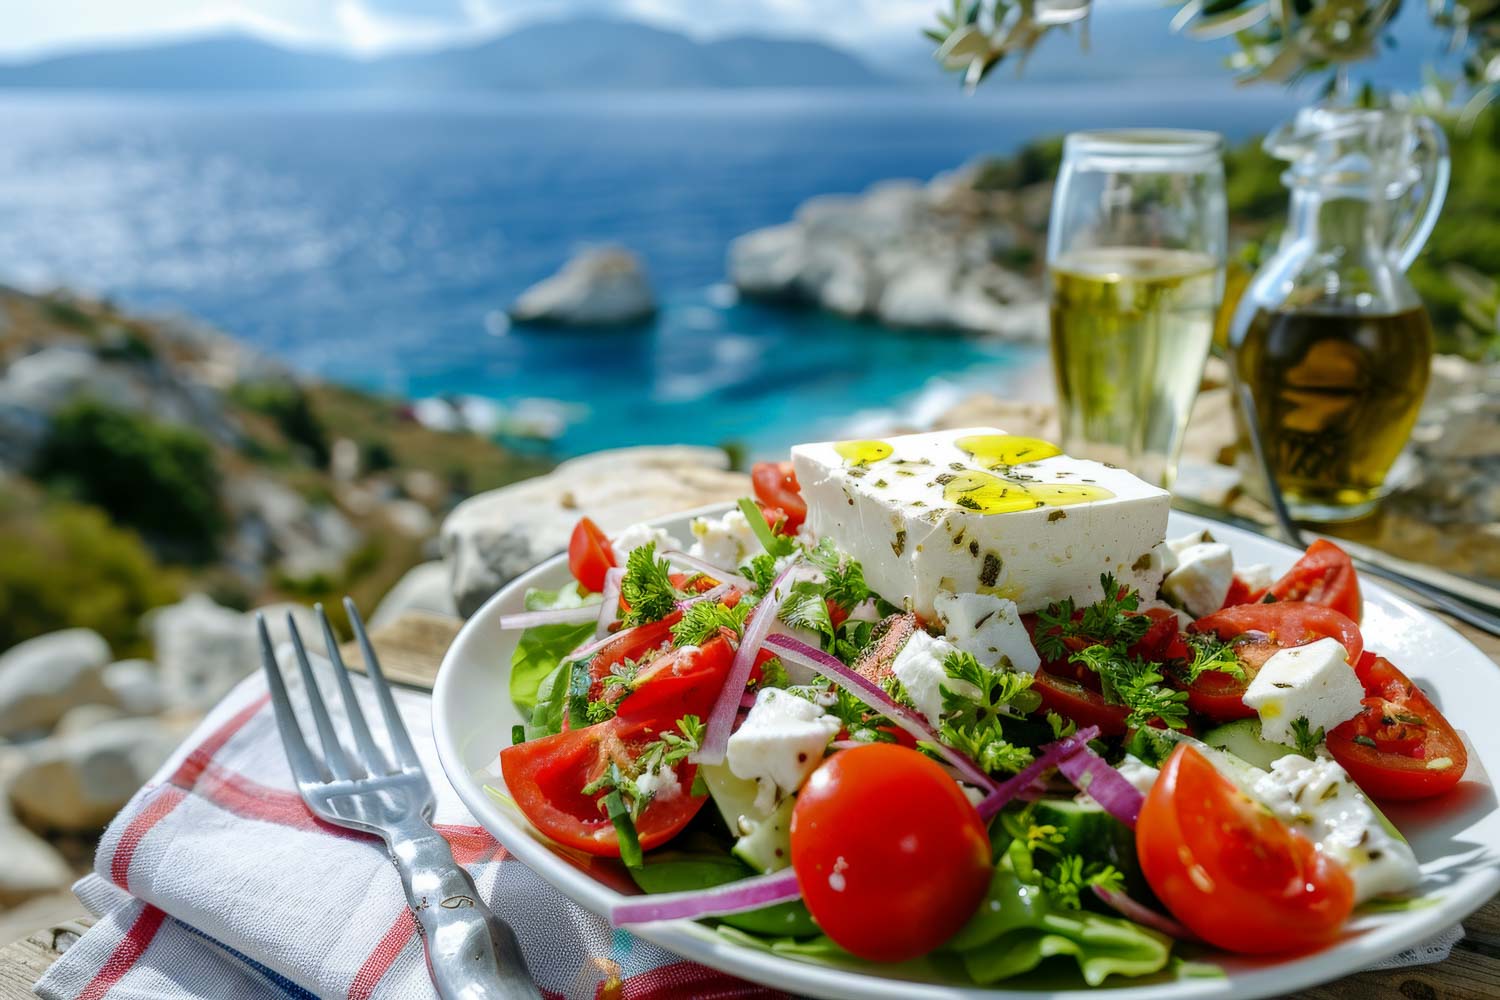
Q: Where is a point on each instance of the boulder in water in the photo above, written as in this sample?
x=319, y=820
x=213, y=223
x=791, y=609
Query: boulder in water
x=601, y=286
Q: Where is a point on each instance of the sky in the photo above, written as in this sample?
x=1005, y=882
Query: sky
x=35, y=27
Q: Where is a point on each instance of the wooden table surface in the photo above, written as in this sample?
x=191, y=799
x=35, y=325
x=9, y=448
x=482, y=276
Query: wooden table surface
x=411, y=648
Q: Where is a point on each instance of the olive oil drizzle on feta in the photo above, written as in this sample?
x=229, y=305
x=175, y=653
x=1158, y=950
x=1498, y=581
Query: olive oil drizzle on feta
x=987, y=493
x=861, y=453
x=991, y=451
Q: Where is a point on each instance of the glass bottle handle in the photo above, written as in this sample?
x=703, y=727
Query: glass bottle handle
x=1415, y=224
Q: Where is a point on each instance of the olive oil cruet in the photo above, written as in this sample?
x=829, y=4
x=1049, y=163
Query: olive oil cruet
x=1330, y=337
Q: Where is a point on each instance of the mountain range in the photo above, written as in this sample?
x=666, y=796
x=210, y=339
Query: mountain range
x=576, y=54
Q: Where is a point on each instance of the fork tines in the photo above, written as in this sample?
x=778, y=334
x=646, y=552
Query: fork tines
x=337, y=763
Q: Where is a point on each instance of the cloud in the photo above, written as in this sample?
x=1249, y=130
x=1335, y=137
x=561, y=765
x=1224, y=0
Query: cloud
x=376, y=25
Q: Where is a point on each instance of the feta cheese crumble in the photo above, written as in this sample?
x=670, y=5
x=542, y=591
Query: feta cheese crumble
x=1318, y=799
x=637, y=535
x=728, y=541
x=987, y=627
x=1200, y=581
x=919, y=668
x=1312, y=682
x=779, y=744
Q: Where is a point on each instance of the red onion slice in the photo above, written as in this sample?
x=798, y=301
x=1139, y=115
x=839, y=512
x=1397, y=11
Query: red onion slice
x=552, y=616
x=1020, y=784
x=721, y=719
x=1105, y=785
x=870, y=693
x=707, y=569
x=610, y=609
x=1142, y=914
x=734, y=897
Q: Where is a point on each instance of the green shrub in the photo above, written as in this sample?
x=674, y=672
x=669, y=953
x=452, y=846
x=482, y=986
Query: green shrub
x=284, y=402
x=158, y=479
x=67, y=566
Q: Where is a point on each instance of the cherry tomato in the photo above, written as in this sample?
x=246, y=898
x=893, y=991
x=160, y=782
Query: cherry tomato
x=1240, y=593
x=1258, y=631
x=1232, y=872
x=630, y=644
x=891, y=858
x=589, y=555
x=1083, y=705
x=776, y=486
x=1390, y=748
x=546, y=778
x=1324, y=575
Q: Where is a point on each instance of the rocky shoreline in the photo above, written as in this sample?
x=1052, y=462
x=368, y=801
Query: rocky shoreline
x=956, y=254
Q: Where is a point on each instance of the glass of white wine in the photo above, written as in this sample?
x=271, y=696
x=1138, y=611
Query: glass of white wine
x=1135, y=261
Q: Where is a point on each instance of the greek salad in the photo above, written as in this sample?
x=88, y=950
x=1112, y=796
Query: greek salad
x=955, y=698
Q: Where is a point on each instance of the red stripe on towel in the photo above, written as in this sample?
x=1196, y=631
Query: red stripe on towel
x=383, y=957
x=126, y=953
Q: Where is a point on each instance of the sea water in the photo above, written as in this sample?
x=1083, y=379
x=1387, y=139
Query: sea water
x=377, y=240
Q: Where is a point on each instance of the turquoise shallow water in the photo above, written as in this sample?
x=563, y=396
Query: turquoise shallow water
x=368, y=240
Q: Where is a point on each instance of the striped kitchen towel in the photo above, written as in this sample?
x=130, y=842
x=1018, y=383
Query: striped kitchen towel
x=216, y=882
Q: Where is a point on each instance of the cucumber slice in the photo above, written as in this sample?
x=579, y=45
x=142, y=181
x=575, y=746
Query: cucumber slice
x=683, y=871
x=1092, y=833
x=735, y=797
x=1243, y=739
x=768, y=847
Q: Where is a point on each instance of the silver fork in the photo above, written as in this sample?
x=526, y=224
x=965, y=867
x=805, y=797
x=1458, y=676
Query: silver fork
x=471, y=953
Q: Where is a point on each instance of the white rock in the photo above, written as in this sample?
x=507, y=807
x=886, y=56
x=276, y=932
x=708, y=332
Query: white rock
x=409, y=517
x=135, y=686
x=423, y=588
x=86, y=717
x=493, y=537
x=203, y=649
x=767, y=262
x=42, y=678
x=79, y=781
x=31, y=866
x=602, y=286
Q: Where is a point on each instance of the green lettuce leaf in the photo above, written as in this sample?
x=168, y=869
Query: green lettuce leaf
x=1016, y=927
x=541, y=649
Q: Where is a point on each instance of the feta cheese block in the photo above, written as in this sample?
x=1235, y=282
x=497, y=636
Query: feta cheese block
x=1313, y=682
x=1200, y=581
x=919, y=668
x=987, y=627
x=1318, y=799
x=779, y=744
x=980, y=511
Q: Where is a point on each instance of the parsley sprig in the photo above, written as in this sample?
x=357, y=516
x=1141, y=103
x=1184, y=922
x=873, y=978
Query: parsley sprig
x=1036, y=855
x=974, y=724
x=647, y=587
x=1112, y=625
x=1308, y=739
x=702, y=621
x=1111, y=619
x=1209, y=652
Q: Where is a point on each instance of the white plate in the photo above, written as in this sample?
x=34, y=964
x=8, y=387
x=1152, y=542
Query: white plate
x=1456, y=839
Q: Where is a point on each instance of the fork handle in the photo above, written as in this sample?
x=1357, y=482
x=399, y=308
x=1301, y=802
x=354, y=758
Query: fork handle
x=471, y=953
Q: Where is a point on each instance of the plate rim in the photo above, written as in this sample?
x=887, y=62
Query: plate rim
x=695, y=942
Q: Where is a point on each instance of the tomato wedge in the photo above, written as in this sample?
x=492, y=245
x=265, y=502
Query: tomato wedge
x=1258, y=631
x=590, y=555
x=684, y=681
x=546, y=778
x=1083, y=705
x=1400, y=746
x=1324, y=575
x=1233, y=873
x=776, y=487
